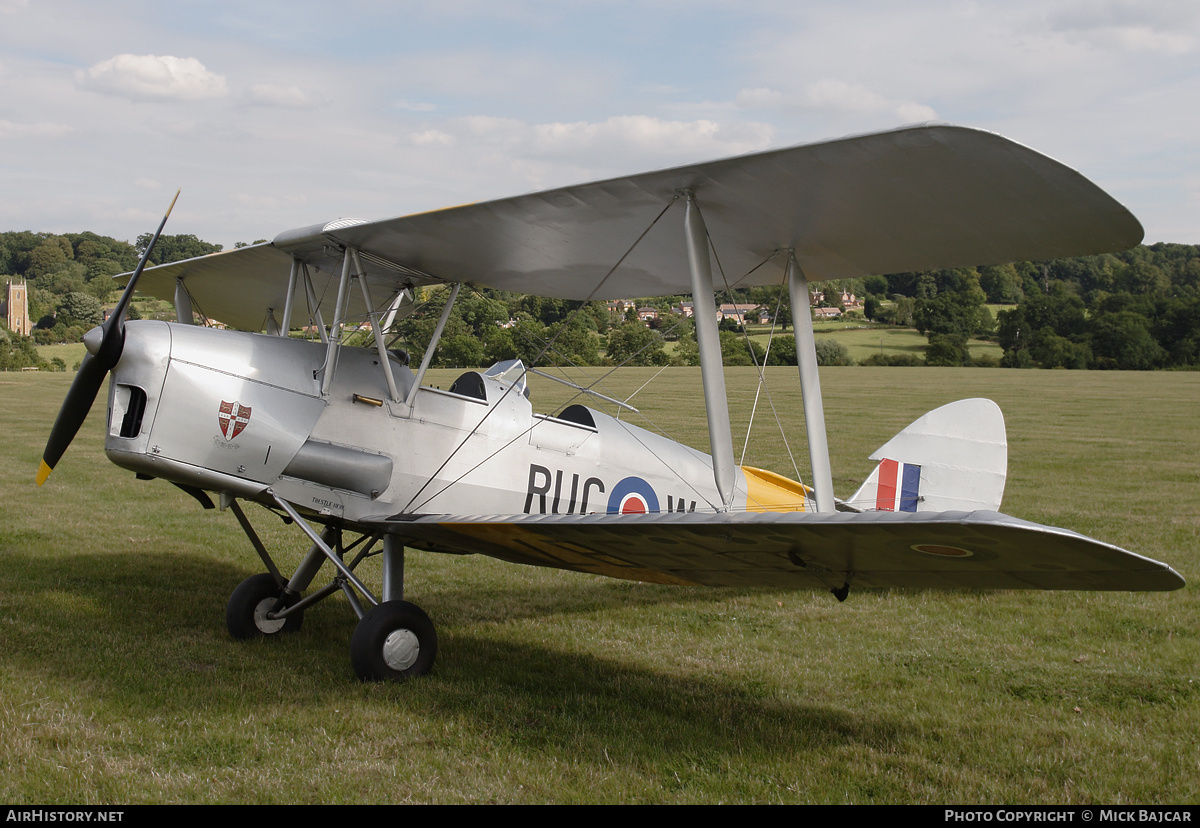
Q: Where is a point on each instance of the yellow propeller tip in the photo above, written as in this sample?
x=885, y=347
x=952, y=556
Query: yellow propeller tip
x=43, y=472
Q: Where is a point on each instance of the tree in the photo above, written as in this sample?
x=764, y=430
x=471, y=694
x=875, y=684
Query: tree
x=1123, y=340
x=736, y=349
x=81, y=309
x=871, y=307
x=48, y=256
x=877, y=285
x=902, y=311
x=783, y=351
x=459, y=350
x=831, y=352
x=1053, y=351
x=947, y=350
x=1001, y=284
x=632, y=343
x=16, y=351
x=576, y=341
x=175, y=248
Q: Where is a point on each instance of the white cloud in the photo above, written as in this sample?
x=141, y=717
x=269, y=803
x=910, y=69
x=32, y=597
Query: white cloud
x=259, y=202
x=484, y=156
x=758, y=98
x=620, y=135
x=567, y=95
x=11, y=129
x=284, y=97
x=836, y=96
x=427, y=137
x=1167, y=27
x=153, y=77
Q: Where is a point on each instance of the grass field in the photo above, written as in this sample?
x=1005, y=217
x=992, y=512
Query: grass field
x=863, y=339
x=119, y=683
x=885, y=339
x=71, y=353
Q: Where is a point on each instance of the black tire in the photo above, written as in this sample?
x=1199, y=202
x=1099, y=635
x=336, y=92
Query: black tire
x=393, y=642
x=246, y=613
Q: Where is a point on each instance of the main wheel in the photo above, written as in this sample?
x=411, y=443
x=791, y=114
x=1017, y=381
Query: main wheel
x=394, y=641
x=246, y=614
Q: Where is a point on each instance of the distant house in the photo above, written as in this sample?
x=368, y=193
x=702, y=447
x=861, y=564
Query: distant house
x=826, y=313
x=845, y=299
x=647, y=313
x=738, y=313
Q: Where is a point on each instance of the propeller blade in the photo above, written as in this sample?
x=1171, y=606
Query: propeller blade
x=117, y=320
x=93, y=369
x=75, y=407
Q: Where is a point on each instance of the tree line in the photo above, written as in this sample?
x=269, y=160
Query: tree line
x=1138, y=309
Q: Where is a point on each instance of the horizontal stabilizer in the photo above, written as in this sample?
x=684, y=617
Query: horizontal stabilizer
x=953, y=458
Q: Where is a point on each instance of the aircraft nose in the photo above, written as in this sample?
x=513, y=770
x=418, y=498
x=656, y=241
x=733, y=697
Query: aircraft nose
x=104, y=345
x=92, y=340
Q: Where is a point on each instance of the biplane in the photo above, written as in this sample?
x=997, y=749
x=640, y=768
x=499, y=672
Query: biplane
x=348, y=443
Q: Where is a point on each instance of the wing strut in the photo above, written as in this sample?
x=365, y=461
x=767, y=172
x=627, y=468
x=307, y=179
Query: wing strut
x=432, y=346
x=286, y=326
x=314, y=309
x=375, y=319
x=810, y=386
x=712, y=371
x=183, y=304
x=339, y=319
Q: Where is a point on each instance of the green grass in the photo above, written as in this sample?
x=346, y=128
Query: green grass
x=71, y=353
x=863, y=339
x=119, y=684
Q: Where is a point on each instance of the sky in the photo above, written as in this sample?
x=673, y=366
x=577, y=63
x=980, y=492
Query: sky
x=275, y=115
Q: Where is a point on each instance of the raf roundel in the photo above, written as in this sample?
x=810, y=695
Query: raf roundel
x=632, y=496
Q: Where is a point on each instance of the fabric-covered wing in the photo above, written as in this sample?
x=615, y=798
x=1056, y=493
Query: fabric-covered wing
x=916, y=198
x=238, y=288
x=947, y=550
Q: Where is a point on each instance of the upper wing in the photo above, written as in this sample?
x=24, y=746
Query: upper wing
x=917, y=198
x=948, y=550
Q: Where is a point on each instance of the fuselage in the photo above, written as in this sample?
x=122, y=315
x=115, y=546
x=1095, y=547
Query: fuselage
x=240, y=413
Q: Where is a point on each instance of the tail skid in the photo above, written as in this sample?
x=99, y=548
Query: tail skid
x=955, y=458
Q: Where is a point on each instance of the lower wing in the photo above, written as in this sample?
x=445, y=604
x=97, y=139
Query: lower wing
x=923, y=550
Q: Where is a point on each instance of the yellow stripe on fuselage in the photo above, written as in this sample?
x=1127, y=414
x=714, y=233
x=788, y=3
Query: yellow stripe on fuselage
x=771, y=492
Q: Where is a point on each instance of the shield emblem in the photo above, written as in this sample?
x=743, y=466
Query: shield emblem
x=233, y=417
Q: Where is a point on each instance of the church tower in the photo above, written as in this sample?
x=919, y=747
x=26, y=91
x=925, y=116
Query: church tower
x=15, y=308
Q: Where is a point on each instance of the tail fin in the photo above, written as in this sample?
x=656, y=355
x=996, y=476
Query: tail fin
x=955, y=458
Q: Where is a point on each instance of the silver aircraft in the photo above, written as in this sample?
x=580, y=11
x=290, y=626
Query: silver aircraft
x=349, y=444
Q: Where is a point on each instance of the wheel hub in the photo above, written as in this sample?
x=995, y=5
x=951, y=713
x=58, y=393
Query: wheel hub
x=401, y=649
x=268, y=626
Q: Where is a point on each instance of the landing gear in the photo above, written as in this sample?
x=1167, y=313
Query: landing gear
x=253, y=602
x=394, y=641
